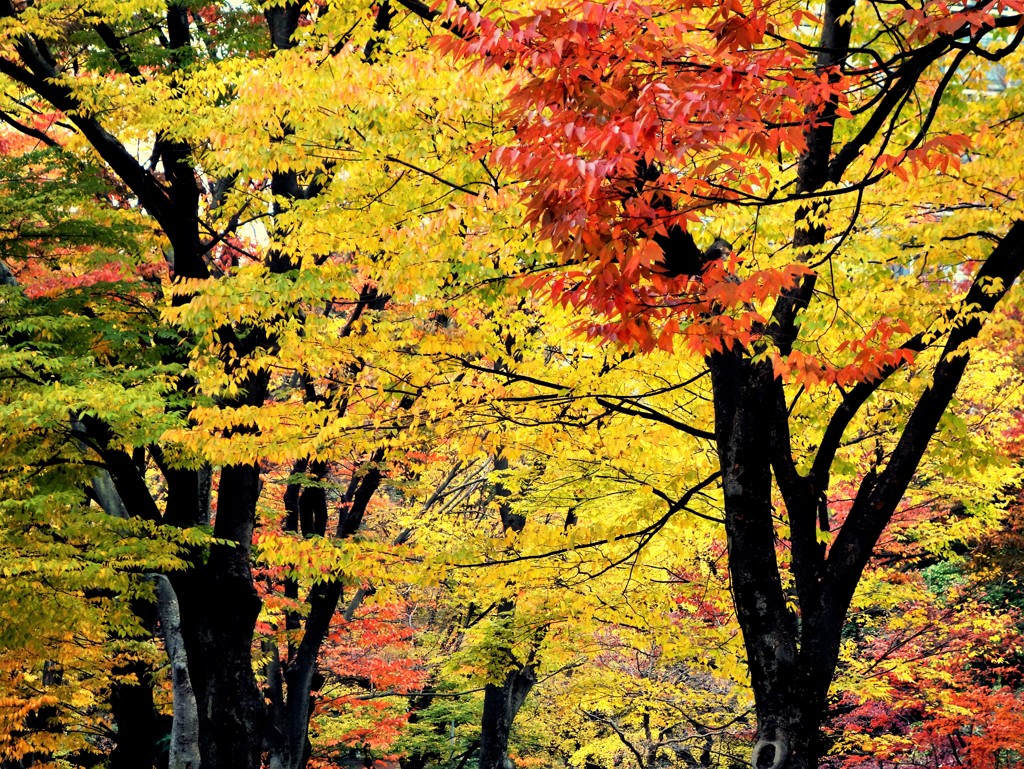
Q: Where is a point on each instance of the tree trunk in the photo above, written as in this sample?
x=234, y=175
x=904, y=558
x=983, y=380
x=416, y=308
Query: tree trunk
x=288, y=739
x=183, y=751
x=218, y=618
x=503, y=701
x=501, y=704
x=219, y=607
x=134, y=712
x=131, y=704
x=742, y=399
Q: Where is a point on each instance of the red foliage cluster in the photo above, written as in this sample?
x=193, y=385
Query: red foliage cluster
x=637, y=118
x=375, y=653
x=966, y=710
x=55, y=283
x=377, y=646
x=633, y=119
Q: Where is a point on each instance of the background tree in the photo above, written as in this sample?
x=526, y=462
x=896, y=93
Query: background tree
x=287, y=222
x=641, y=123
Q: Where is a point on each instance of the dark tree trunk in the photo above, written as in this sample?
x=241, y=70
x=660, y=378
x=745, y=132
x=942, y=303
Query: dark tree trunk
x=293, y=681
x=501, y=704
x=138, y=727
x=219, y=606
x=218, y=601
x=792, y=653
x=289, y=741
x=503, y=701
x=742, y=397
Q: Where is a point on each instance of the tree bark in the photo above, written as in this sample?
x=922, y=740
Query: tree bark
x=502, y=701
x=134, y=712
x=501, y=705
x=183, y=752
x=219, y=607
x=742, y=396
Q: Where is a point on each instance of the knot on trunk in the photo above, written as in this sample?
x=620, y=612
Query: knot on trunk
x=770, y=754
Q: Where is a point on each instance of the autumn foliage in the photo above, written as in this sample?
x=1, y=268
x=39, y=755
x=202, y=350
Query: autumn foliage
x=571, y=384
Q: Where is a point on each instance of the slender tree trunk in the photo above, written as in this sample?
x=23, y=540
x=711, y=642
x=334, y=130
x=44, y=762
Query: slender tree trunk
x=183, y=751
x=301, y=672
x=131, y=704
x=503, y=701
x=751, y=423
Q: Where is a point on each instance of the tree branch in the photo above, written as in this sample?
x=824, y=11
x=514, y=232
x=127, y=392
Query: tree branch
x=875, y=503
x=28, y=130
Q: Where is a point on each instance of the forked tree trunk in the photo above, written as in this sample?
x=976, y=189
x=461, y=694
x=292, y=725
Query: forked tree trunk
x=792, y=652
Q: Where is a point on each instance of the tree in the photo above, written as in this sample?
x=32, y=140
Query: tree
x=291, y=186
x=304, y=344
x=76, y=651
x=873, y=240
x=936, y=680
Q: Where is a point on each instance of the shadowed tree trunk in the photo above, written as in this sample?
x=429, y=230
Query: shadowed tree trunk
x=503, y=700
x=183, y=750
x=501, y=705
x=134, y=712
